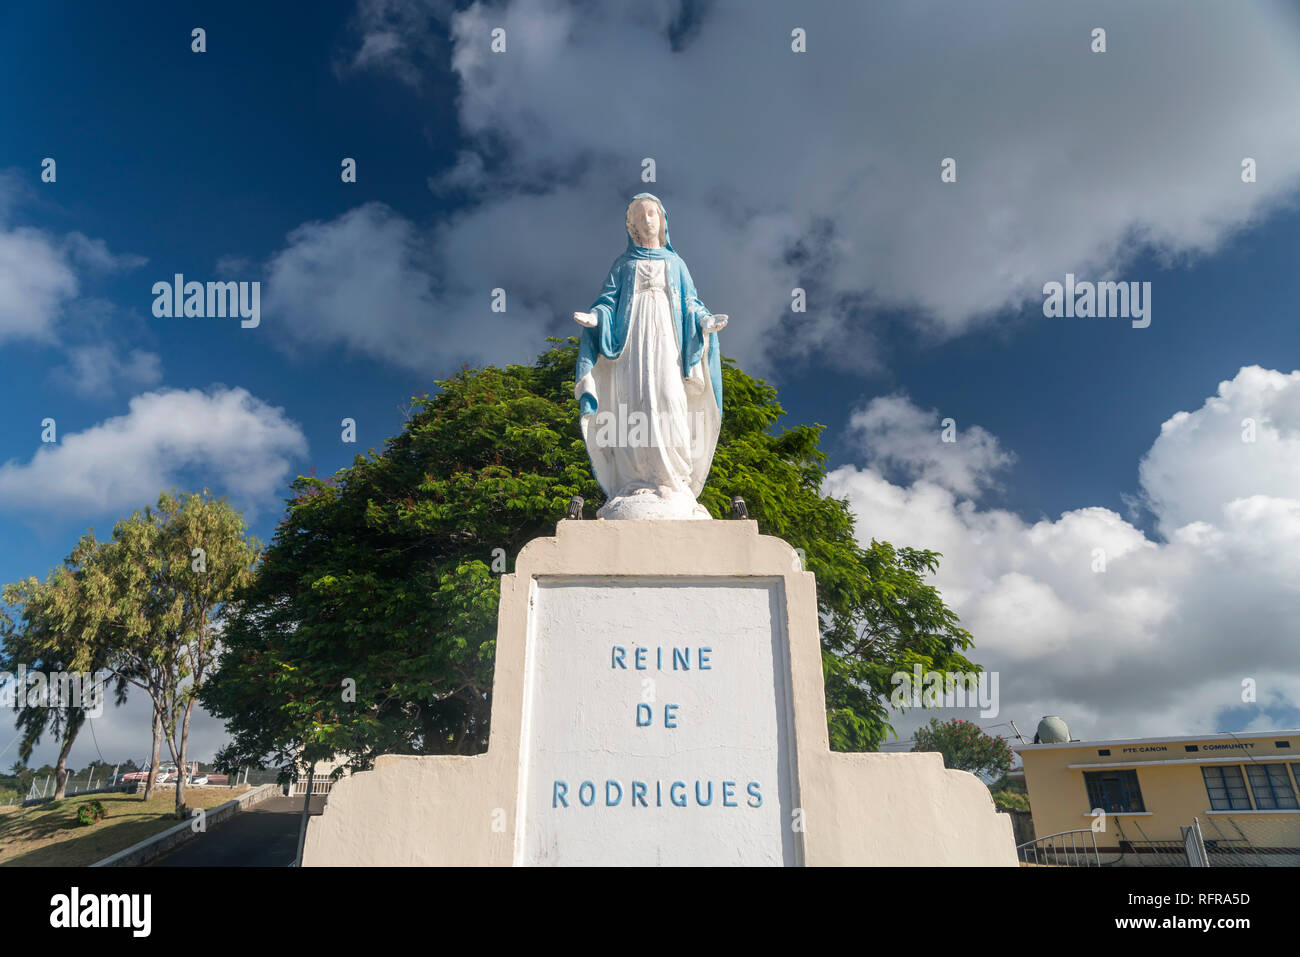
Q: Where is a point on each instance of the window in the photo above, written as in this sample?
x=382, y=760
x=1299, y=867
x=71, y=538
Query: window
x=1113, y=791
x=1272, y=787
x=1227, y=788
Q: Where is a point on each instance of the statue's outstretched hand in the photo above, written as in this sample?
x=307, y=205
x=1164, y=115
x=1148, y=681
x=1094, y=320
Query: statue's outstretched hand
x=587, y=319
x=714, y=322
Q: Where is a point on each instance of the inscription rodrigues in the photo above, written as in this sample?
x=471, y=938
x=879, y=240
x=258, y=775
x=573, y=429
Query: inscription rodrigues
x=642, y=793
x=678, y=793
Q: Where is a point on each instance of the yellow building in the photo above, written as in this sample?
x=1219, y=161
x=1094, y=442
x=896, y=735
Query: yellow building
x=1240, y=788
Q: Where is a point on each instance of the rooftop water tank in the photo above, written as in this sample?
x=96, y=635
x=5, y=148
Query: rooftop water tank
x=1052, y=730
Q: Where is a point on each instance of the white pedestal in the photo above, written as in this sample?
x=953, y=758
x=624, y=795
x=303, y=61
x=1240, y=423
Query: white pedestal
x=658, y=699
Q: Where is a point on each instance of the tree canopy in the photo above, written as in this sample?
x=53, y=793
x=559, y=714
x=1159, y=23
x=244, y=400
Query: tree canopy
x=370, y=624
x=964, y=746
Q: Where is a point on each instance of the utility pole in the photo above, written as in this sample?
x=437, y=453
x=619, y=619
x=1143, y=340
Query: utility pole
x=306, y=811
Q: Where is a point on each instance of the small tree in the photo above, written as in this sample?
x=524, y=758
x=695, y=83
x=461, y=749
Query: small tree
x=34, y=632
x=964, y=746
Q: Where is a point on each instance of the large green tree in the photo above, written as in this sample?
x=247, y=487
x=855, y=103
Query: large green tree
x=150, y=605
x=384, y=578
x=164, y=587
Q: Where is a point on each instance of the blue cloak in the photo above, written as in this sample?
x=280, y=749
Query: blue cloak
x=612, y=307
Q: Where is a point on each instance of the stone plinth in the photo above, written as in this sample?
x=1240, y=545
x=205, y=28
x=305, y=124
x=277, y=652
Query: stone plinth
x=659, y=699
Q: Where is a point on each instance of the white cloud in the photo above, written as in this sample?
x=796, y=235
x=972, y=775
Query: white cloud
x=821, y=169
x=398, y=37
x=94, y=254
x=894, y=433
x=1161, y=640
x=379, y=284
x=35, y=282
x=234, y=442
x=95, y=371
x=39, y=278
x=1207, y=459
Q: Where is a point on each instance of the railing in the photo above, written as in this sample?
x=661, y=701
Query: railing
x=1063, y=849
x=320, y=784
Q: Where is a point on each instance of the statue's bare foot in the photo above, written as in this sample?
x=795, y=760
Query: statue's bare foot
x=645, y=490
x=664, y=492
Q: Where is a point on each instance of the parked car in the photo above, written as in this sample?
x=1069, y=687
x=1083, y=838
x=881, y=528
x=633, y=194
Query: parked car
x=141, y=775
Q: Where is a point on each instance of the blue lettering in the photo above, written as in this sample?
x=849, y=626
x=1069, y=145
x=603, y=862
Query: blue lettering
x=659, y=656
x=640, y=659
x=659, y=794
x=643, y=711
x=558, y=797
x=684, y=656
x=587, y=788
x=613, y=802
x=699, y=800
x=704, y=659
x=755, y=798
x=728, y=792
x=670, y=715
x=638, y=793
x=616, y=658
x=672, y=793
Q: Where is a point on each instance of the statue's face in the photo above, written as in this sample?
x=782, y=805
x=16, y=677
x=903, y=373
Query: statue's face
x=645, y=221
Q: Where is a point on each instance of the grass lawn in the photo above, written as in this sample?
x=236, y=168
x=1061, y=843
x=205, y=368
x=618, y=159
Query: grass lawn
x=48, y=835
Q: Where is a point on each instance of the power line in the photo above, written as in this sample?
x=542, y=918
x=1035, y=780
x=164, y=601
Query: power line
x=95, y=738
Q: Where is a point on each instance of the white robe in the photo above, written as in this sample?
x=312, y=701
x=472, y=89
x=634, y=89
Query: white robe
x=670, y=444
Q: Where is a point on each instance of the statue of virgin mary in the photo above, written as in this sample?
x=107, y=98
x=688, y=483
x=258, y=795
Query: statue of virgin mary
x=649, y=378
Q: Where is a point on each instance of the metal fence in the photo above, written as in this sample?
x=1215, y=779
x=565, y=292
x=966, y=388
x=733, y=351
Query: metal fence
x=320, y=784
x=1217, y=843
x=100, y=781
x=1063, y=849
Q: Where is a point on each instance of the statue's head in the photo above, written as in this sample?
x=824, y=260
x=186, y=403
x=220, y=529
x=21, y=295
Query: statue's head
x=647, y=223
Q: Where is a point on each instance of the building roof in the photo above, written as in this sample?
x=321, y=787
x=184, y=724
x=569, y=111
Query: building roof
x=1228, y=735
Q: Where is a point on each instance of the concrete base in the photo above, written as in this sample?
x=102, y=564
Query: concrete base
x=648, y=505
x=491, y=809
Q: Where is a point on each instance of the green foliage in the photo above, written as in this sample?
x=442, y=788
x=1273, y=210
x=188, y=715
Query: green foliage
x=90, y=812
x=1008, y=782
x=385, y=575
x=1011, y=792
x=147, y=607
x=964, y=746
x=35, y=633
x=1011, y=800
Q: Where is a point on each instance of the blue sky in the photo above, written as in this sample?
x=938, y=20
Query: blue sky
x=777, y=169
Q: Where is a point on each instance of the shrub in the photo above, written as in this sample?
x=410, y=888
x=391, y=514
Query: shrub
x=90, y=812
x=1011, y=800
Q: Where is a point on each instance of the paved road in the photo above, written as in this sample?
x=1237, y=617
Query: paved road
x=266, y=835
